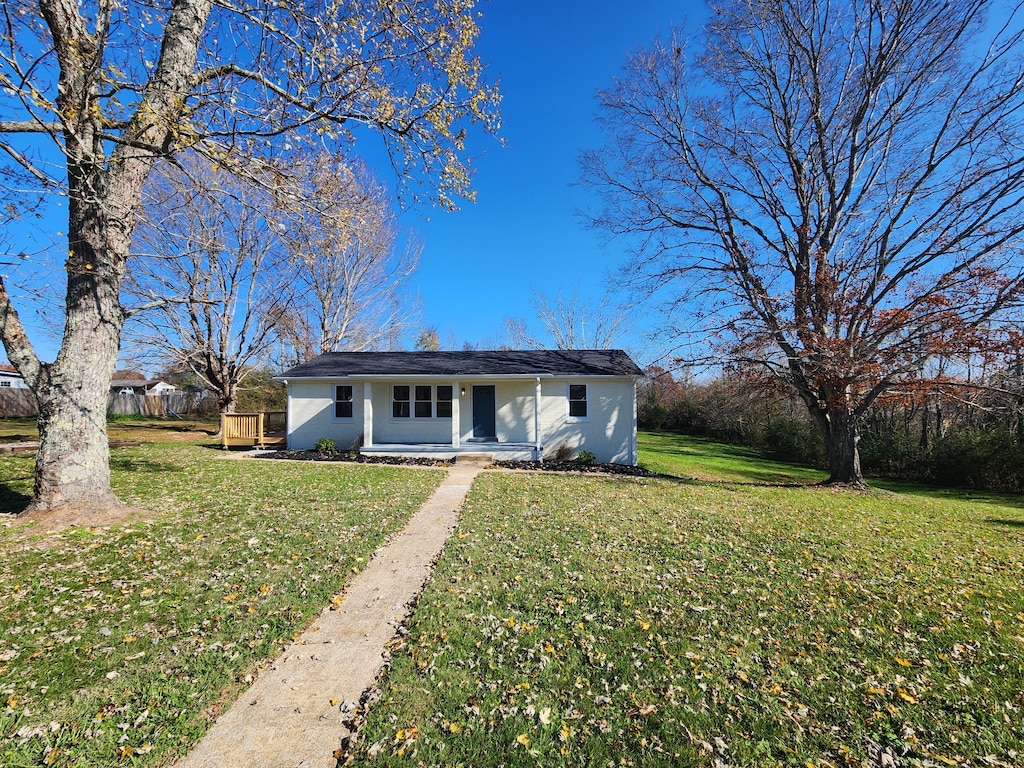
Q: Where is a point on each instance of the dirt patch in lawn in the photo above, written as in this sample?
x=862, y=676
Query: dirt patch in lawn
x=47, y=522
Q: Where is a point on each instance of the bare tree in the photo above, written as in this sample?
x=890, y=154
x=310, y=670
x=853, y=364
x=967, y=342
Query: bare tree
x=95, y=93
x=350, y=270
x=570, y=322
x=829, y=189
x=211, y=277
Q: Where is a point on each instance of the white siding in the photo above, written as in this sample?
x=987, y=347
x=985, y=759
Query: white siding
x=14, y=380
x=608, y=431
x=387, y=429
x=311, y=415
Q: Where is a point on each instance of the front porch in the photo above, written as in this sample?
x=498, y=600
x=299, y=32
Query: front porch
x=445, y=451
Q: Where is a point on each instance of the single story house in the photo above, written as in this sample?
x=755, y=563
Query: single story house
x=140, y=387
x=517, y=405
x=10, y=378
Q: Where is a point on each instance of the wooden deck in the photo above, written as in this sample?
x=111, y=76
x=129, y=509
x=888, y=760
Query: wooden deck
x=253, y=430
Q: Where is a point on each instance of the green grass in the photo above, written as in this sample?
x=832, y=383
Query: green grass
x=141, y=428
x=118, y=646
x=699, y=458
x=728, y=617
x=595, y=621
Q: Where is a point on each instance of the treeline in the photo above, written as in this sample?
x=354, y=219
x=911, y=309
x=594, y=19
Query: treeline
x=953, y=435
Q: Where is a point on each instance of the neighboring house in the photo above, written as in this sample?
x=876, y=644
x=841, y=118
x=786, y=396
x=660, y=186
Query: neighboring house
x=10, y=378
x=520, y=405
x=140, y=387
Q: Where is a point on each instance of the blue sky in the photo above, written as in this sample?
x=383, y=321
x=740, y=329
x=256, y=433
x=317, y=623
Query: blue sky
x=480, y=264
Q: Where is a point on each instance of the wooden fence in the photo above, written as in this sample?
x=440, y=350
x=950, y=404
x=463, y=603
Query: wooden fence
x=20, y=403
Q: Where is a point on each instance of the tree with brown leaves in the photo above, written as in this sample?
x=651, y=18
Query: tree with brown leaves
x=830, y=190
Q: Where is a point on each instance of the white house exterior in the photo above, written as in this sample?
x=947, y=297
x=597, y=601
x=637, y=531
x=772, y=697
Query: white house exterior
x=140, y=387
x=520, y=405
x=11, y=379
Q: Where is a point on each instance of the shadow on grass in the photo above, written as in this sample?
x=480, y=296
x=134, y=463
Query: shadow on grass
x=1007, y=522
x=717, y=463
x=127, y=464
x=11, y=501
x=971, y=496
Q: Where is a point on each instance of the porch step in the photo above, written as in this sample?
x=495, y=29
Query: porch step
x=475, y=459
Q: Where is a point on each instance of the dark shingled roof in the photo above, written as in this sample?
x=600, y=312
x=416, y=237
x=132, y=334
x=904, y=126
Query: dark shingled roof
x=545, y=362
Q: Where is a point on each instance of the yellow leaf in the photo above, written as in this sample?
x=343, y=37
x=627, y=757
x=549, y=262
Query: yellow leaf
x=455, y=728
x=903, y=662
x=876, y=691
x=906, y=696
x=523, y=739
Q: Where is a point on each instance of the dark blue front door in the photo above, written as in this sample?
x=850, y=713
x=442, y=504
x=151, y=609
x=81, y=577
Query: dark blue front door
x=483, y=412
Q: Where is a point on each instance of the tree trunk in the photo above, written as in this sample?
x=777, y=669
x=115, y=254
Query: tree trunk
x=73, y=466
x=841, y=433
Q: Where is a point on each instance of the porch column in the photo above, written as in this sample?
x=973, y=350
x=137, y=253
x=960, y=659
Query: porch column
x=367, y=414
x=537, y=447
x=456, y=420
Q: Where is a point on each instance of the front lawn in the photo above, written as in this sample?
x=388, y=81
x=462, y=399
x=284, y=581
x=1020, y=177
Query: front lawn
x=118, y=646
x=594, y=621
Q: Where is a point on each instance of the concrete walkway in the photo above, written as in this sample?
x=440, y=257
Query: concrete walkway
x=293, y=715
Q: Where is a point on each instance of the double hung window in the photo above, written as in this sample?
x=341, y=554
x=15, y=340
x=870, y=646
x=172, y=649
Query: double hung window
x=421, y=401
x=577, y=401
x=343, y=401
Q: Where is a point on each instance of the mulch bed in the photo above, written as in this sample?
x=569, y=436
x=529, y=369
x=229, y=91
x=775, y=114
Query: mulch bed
x=357, y=458
x=547, y=466
x=577, y=466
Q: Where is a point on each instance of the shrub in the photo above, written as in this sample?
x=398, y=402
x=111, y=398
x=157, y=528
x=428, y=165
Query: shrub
x=585, y=457
x=563, y=452
x=890, y=453
x=792, y=440
x=991, y=461
x=326, y=445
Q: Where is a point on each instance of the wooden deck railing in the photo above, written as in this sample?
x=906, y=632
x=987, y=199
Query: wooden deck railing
x=253, y=429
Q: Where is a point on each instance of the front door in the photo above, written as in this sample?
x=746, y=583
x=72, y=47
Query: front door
x=483, y=413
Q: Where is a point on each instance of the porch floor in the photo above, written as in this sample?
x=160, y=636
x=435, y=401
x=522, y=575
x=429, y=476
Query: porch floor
x=446, y=451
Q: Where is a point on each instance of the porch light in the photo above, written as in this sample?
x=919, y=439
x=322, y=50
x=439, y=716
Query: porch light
x=462, y=392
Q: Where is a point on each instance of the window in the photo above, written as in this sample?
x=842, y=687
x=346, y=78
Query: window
x=424, y=402
x=419, y=401
x=343, y=401
x=444, y=402
x=400, y=401
x=578, y=401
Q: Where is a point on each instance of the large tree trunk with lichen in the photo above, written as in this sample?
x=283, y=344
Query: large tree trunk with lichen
x=73, y=463
x=72, y=466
